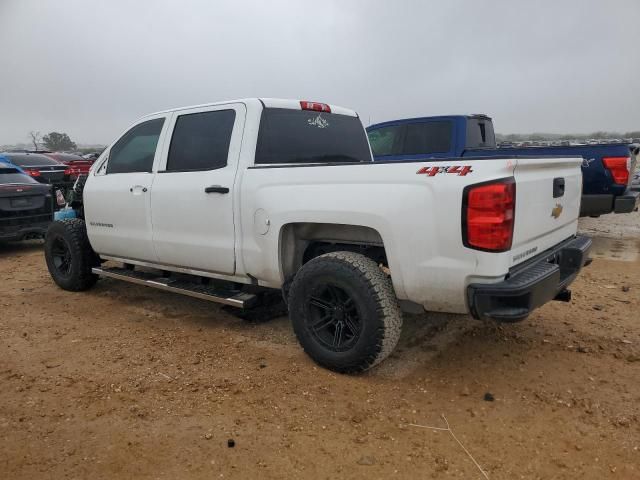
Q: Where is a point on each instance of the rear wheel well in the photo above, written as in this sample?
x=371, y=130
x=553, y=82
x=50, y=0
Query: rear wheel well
x=302, y=242
x=317, y=248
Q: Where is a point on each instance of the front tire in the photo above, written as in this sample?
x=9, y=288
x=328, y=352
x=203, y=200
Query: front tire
x=69, y=255
x=344, y=312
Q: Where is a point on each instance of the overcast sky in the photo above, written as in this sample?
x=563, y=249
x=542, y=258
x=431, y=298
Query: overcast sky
x=89, y=68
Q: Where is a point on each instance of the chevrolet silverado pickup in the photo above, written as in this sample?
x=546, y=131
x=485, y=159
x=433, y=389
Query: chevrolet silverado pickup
x=606, y=169
x=227, y=201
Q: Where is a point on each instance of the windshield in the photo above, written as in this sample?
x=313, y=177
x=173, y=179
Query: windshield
x=304, y=136
x=13, y=175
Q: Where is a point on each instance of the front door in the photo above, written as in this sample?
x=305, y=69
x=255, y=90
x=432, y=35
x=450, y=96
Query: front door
x=192, y=200
x=117, y=194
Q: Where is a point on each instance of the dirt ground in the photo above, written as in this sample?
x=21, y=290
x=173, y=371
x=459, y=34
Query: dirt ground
x=128, y=382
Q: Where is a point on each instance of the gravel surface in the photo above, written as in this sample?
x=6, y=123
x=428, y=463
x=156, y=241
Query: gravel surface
x=128, y=382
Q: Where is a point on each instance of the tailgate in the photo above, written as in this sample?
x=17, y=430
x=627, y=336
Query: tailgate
x=548, y=193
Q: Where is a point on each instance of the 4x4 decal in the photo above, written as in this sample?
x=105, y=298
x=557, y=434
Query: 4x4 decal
x=460, y=170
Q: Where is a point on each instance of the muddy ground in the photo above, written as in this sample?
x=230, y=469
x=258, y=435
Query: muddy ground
x=127, y=382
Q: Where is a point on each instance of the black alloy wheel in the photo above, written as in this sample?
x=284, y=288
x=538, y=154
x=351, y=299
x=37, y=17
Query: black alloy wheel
x=61, y=256
x=333, y=318
x=344, y=311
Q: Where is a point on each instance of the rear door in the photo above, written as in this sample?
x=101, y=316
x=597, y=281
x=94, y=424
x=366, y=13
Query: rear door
x=117, y=194
x=548, y=192
x=192, y=201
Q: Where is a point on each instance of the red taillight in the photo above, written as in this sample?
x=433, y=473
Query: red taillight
x=618, y=167
x=489, y=215
x=33, y=173
x=318, y=107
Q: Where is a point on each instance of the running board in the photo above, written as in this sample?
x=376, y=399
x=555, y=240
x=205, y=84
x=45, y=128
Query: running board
x=192, y=289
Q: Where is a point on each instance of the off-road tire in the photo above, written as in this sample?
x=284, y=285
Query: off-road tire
x=368, y=288
x=72, y=234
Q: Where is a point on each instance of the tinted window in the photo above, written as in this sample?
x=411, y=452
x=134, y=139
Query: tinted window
x=386, y=140
x=480, y=133
x=427, y=137
x=13, y=175
x=30, y=159
x=201, y=141
x=303, y=136
x=65, y=157
x=134, y=152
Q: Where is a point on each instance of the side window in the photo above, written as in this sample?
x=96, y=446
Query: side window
x=386, y=140
x=480, y=133
x=201, y=141
x=134, y=152
x=428, y=137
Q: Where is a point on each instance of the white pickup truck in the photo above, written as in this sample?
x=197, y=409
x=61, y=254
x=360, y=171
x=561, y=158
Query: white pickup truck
x=226, y=200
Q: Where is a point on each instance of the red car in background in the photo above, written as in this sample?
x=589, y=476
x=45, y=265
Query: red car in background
x=76, y=165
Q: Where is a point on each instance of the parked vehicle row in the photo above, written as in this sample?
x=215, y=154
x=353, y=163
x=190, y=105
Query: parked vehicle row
x=227, y=201
x=76, y=165
x=26, y=206
x=606, y=169
x=60, y=170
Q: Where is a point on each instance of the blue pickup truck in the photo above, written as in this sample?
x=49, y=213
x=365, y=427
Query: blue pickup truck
x=607, y=169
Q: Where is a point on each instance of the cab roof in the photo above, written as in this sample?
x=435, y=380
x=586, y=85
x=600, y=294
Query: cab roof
x=267, y=103
x=402, y=121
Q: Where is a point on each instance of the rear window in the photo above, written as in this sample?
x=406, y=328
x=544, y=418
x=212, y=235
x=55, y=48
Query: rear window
x=304, y=136
x=66, y=157
x=13, y=175
x=428, y=137
x=418, y=138
x=31, y=160
x=480, y=133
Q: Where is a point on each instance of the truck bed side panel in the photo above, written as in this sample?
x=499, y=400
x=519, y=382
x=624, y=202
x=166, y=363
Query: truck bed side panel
x=418, y=217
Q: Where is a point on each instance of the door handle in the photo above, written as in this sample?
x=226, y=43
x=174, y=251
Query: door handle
x=558, y=187
x=138, y=188
x=216, y=189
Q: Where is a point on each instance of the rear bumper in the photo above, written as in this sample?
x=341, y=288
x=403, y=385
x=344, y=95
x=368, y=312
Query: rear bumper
x=532, y=284
x=627, y=202
x=594, y=205
x=24, y=232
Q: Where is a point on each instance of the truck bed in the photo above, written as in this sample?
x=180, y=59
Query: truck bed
x=599, y=191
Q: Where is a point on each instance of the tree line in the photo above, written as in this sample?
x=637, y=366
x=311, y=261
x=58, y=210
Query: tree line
x=54, y=141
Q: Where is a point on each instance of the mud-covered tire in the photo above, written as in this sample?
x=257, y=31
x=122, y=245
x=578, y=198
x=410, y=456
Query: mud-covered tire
x=69, y=255
x=362, y=300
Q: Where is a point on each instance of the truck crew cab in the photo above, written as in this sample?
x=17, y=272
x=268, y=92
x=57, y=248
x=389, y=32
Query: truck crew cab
x=226, y=200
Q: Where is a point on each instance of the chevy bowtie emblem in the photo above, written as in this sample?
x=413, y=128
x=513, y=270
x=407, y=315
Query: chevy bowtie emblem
x=557, y=210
